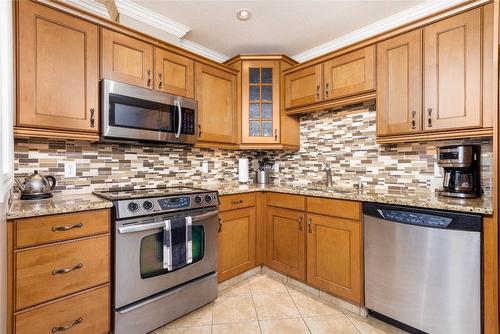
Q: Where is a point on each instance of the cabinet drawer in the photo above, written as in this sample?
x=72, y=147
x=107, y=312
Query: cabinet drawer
x=40, y=272
x=286, y=201
x=232, y=202
x=334, y=207
x=35, y=231
x=91, y=307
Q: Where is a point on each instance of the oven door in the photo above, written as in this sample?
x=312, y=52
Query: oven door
x=139, y=269
x=138, y=114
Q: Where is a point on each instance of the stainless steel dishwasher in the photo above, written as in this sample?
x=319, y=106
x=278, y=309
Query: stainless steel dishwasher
x=423, y=267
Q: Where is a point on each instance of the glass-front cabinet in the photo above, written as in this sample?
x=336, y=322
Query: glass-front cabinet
x=260, y=102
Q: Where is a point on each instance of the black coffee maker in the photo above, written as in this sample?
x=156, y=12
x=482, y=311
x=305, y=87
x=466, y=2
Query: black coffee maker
x=461, y=171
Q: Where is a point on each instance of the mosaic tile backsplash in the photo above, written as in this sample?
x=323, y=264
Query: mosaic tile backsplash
x=343, y=139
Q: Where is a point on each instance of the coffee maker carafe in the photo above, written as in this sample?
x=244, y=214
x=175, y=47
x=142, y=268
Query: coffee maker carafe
x=461, y=171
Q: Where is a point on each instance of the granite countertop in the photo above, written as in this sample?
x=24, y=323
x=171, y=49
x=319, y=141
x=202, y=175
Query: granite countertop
x=66, y=203
x=59, y=203
x=428, y=200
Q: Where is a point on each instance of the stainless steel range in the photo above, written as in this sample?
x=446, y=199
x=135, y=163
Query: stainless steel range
x=147, y=296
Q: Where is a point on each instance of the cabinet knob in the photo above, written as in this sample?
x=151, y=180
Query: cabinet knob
x=92, y=117
x=413, y=122
x=429, y=117
x=317, y=92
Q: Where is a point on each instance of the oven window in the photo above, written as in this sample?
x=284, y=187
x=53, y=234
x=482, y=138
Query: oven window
x=128, y=112
x=151, y=255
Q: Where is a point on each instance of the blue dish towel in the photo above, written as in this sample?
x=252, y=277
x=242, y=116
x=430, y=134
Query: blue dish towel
x=177, y=243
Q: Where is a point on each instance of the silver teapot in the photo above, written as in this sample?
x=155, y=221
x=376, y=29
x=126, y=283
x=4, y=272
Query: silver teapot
x=36, y=186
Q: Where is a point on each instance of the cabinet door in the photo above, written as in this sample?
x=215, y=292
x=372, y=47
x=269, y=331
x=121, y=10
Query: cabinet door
x=452, y=73
x=350, y=74
x=216, y=95
x=399, y=84
x=236, y=242
x=303, y=87
x=334, y=256
x=174, y=73
x=285, y=238
x=126, y=59
x=58, y=74
x=260, y=102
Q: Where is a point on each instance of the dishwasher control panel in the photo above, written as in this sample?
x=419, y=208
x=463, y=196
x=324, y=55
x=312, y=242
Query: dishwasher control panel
x=415, y=218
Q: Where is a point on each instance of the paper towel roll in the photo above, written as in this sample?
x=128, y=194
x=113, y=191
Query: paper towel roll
x=243, y=170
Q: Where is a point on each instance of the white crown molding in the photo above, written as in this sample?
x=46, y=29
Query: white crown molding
x=147, y=16
x=386, y=24
x=91, y=6
x=203, y=51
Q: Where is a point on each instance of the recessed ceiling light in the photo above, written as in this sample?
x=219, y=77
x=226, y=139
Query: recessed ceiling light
x=243, y=14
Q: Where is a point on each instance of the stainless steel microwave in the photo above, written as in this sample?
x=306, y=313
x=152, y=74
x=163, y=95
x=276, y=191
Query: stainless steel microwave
x=135, y=114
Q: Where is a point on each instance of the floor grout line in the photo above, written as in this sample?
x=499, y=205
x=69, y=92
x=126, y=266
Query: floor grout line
x=254, y=307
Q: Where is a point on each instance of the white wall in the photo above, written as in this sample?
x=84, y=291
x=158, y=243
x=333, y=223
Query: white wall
x=6, y=142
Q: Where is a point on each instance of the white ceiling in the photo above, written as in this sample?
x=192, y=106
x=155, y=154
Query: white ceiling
x=276, y=26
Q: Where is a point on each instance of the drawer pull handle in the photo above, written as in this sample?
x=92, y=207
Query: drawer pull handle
x=66, y=228
x=429, y=118
x=309, y=222
x=300, y=223
x=413, y=122
x=326, y=89
x=220, y=225
x=67, y=270
x=68, y=326
x=237, y=202
x=317, y=92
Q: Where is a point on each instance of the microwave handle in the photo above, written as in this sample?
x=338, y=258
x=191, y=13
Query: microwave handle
x=152, y=226
x=179, y=115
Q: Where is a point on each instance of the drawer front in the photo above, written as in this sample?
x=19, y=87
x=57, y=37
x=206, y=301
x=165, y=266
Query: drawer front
x=334, y=207
x=238, y=201
x=92, y=307
x=35, y=231
x=294, y=202
x=41, y=272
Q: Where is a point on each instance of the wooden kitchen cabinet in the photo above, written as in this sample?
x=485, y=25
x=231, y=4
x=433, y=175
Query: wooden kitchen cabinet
x=334, y=256
x=399, y=84
x=57, y=73
x=285, y=239
x=217, y=110
x=174, y=73
x=304, y=86
x=452, y=73
x=126, y=59
x=349, y=74
x=236, y=242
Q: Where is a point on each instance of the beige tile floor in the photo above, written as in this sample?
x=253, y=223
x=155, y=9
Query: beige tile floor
x=262, y=304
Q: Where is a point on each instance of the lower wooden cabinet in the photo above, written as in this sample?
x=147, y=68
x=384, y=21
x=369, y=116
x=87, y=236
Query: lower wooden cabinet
x=334, y=261
x=236, y=242
x=285, y=238
x=83, y=313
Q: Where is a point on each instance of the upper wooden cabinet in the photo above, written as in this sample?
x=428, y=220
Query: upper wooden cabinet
x=452, y=73
x=126, y=59
x=58, y=73
x=352, y=73
x=174, y=73
x=446, y=65
x=216, y=95
x=303, y=87
x=323, y=85
x=399, y=84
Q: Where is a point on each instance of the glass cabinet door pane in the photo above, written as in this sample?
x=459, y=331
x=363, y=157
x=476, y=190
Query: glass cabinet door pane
x=254, y=111
x=267, y=111
x=254, y=75
x=267, y=129
x=254, y=128
x=267, y=75
x=267, y=93
x=254, y=93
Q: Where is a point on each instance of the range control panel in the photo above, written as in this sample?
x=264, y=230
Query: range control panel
x=413, y=218
x=135, y=207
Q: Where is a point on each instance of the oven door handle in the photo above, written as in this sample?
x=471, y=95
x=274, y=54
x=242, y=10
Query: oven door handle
x=152, y=226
